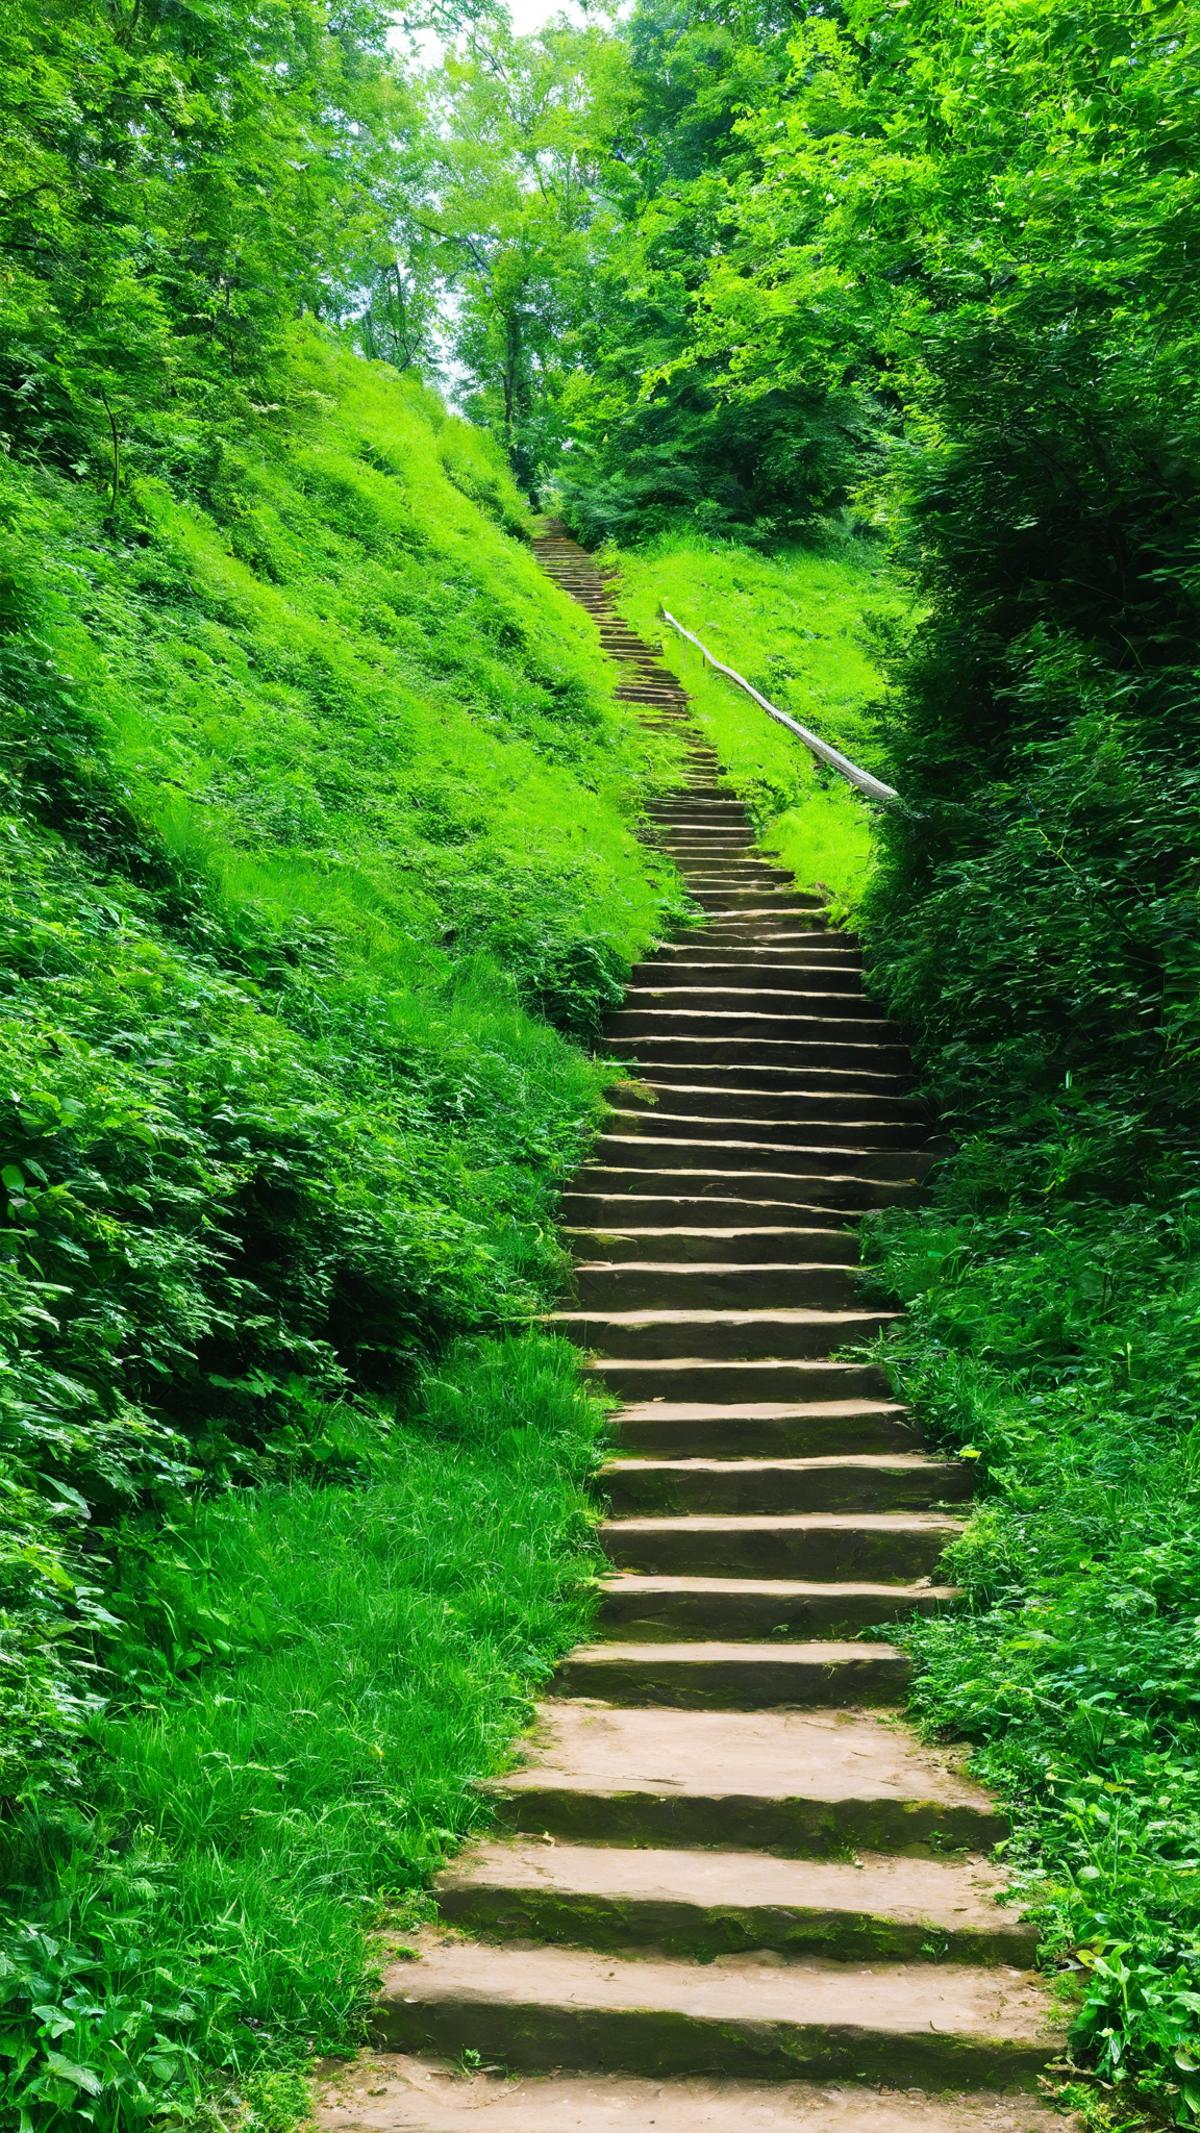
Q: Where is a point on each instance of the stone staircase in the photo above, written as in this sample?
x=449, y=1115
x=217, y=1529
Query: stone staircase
x=731, y=1892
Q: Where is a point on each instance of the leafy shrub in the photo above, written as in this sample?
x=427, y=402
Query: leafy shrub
x=1054, y=1338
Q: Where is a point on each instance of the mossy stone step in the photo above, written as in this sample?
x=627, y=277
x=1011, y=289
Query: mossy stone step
x=762, y=1429
x=732, y=1335
x=715, y=1147
x=671, y=1608
x=716, y=1675
x=669, y=1184
x=673, y=1118
x=841, y=1481
x=717, y=1382
x=932, y=2025
x=890, y=1545
x=707, y=1904
x=397, y=2093
x=781, y=1244
x=798, y=1784
x=691, y=1284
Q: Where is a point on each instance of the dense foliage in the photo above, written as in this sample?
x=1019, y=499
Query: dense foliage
x=176, y=183
x=578, y=194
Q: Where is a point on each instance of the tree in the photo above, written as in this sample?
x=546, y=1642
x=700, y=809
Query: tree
x=176, y=183
x=526, y=190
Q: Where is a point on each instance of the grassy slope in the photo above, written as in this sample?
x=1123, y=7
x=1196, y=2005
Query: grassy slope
x=802, y=627
x=315, y=1676
x=319, y=852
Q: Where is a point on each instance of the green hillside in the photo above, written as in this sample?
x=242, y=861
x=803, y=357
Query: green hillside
x=318, y=866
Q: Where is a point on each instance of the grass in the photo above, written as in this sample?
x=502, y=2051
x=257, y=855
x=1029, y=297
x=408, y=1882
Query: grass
x=316, y=1677
x=807, y=628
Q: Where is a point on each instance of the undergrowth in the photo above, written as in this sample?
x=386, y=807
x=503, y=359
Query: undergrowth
x=1058, y=1346
x=1052, y=1293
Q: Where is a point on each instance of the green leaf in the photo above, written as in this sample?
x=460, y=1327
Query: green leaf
x=82, y=2077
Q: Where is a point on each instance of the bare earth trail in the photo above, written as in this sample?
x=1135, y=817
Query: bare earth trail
x=731, y=1892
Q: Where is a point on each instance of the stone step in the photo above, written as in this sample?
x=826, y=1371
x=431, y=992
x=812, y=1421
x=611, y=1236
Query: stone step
x=754, y=1078
x=674, y=1608
x=690, y=805
x=815, y=947
x=931, y=2025
x=813, y=1784
x=713, y=787
x=714, y=1382
x=716, y=1152
x=739, y=1676
x=703, y=823
x=674, y=1118
x=730, y=1335
x=748, y=930
x=833, y=1244
x=693, y=1097
x=694, y=843
x=713, y=871
x=752, y=902
x=601, y=1187
x=703, y=1905
x=398, y=2093
x=876, y=1547
x=719, y=1285
x=832, y=970
x=768, y=913
x=823, y=1026
x=844, y=1481
x=710, y=1047
x=733, y=1210
x=766, y=1429
x=695, y=824
x=792, y=1002
x=730, y=1067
